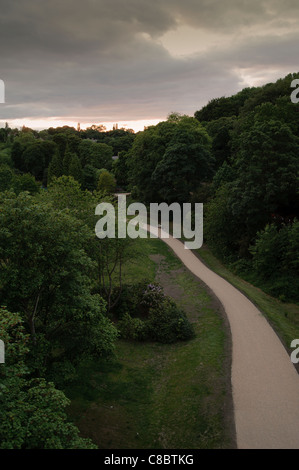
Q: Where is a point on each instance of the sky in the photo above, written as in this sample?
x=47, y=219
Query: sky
x=133, y=62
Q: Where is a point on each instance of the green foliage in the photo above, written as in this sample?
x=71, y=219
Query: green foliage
x=32, y=155
x=220, y=230
x=152, y=296
x=18, y=148
x=120, y=170
x=246, y=100
x=55, y=169
x=167, y=323
x=66, y=162
x=32, y=411
x=220, y=130
x=225, y=107
x=98, y=155
x=153, y=316
x=17, y=182
x=225, y=174
x=108, y=254
x=75, y=168
x=5, y=155
x=101, y=156
x=186, y=162
x=120, y=140
x=6, y=177
x=106, y=182
x=276, y=260
x=89, y=178
x=132, y=328
x=52, y=288
x=25, y=182
x=130, y=299
x=65, y=193
x=169, y=160
x=267, y=171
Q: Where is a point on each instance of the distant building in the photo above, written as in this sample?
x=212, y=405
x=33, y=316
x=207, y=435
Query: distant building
x=115, y=157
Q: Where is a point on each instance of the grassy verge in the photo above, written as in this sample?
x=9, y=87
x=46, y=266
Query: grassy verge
x=284, y=317
x=161, y=396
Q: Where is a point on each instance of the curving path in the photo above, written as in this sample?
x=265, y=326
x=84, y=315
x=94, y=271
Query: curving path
x=265, y=384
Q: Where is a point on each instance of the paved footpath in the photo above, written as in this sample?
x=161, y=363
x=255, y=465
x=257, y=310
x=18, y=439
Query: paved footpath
x=265, y=384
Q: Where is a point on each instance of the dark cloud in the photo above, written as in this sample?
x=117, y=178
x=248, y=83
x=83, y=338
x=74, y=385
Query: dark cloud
x=107, y=59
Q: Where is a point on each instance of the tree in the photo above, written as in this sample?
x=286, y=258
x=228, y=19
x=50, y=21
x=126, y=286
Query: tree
x=120, y=170
x=6, y=177
x=46, y=274
x=267, y=169
x=276, y=259
x=148, y=149
x=34, y=160
x=32, y=411
x=111, y=255
x=61, y=140
x=221, y=230
x=84, y=151
x=108, y=254
x=89, y=178
x=75, y=168
x=98, y=155
x=66, y=162
x=106, y=182
x=220, y=131
x=186, y=162
x=170, y=160
x=55, y=168
x=101, y=156
x=25, y=182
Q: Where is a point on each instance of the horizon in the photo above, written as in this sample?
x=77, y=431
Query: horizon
x=39, y=124
x=107, y=62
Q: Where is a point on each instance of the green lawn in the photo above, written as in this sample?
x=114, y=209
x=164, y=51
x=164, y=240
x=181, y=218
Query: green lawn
x=161, y=396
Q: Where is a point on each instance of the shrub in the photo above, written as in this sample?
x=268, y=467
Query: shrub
x=153, y=315
x=132, y=328
x=153, y=295
x=167, y=323
x=130, y=299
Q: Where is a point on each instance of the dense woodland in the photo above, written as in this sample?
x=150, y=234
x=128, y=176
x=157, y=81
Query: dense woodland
x=62, y=292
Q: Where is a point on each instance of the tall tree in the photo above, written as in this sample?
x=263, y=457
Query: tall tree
x=55, y=169
x=32, y=411
x=46, y=275
x=170, y=160
x=75, y=168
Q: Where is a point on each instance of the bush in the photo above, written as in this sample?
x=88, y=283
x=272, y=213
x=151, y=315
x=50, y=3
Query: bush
x=167, y=323
x=153, y=315
x=153, y=295
x=130, y=299
x=132, y=328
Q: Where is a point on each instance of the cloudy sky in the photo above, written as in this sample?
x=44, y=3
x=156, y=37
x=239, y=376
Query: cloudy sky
x=99, y=61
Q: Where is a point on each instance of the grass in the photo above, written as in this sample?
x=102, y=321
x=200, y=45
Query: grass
x=284, y=317
x=152, y=395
